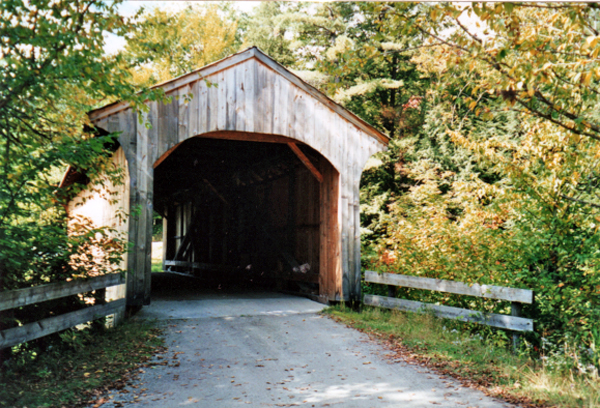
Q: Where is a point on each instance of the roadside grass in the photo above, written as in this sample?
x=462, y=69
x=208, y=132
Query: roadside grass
x=487, y=364
x=157, y=255
x=81, y=368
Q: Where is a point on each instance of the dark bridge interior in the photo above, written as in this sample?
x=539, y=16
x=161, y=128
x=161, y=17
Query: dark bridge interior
x=241, y=213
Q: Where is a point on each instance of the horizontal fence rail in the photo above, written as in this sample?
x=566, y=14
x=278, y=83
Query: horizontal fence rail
x=459, y=288
x=42, y=293
x=515, y=296
x=28, y=296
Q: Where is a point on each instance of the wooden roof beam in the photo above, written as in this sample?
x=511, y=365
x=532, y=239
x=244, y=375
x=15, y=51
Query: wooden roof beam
x=306, y=161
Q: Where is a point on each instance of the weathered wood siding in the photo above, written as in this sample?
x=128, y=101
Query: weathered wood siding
x=247, y=93
x=107, y=205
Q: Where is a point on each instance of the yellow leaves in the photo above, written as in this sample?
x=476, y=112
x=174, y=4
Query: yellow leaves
x=182, y=41
x=471, y=65
x=547, y=65
x=590, y=42
x=587, y=78
x=553, y=18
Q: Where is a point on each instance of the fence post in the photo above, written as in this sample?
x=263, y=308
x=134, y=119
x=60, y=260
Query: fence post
x=515, y=310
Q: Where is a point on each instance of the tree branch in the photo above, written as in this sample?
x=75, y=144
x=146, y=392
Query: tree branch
x=580, y=201
x=556, y=122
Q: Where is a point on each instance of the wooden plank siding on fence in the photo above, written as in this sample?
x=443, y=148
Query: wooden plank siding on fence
x=459, y=288
x=38, y=294
x=514, y=323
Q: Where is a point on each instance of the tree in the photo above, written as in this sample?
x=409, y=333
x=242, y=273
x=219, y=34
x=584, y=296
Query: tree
x=540, y=58
x=53, y=72
x=260, y=29
x=516, y=99
x=167, y=44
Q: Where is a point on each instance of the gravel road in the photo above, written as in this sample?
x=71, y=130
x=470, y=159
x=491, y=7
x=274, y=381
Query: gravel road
x=272, y=350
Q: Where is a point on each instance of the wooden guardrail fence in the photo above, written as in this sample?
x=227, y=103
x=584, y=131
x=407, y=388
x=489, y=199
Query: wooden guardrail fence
x=516, y=296
x=28, y=296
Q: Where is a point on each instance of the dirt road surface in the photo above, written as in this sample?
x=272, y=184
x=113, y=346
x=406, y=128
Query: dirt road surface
x=261, y=349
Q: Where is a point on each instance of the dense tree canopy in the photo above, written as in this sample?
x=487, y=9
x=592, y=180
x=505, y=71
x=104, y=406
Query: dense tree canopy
x=168, y=44
x=53, y=71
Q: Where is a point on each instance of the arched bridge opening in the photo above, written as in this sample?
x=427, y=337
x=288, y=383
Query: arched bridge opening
x=244, y=210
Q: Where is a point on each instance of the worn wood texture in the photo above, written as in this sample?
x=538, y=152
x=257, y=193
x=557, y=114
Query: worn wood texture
x=107, y=205
x=306, y=161
x=441, y=285
x=28, y=296
x=256, y=90
x=494, y=320
x=250, y=97
x=31, y=331
x=330, y=283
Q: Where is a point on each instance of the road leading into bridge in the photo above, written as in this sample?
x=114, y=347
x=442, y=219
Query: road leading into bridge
x=261, y=349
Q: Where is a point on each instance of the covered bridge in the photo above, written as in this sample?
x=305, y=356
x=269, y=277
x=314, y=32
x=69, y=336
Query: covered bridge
x=255, y=173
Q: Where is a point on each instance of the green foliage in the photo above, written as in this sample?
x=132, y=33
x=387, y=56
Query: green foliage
x=53, y=72
x=483, y=192
x=261, y=29
x=167, y=44
x=74, y=368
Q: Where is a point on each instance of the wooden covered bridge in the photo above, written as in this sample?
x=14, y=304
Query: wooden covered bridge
x=254, y=171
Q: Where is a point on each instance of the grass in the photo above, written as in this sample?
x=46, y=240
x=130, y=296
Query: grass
x=483, y=363
x=80, y=369
x=157, y=254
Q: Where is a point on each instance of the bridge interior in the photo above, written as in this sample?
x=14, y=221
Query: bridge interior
x=242, y=213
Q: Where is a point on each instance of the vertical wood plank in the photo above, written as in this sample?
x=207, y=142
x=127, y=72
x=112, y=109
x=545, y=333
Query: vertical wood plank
x=240, y=97
x=128, y=141
x=194, y=106
x=276, y=108
x=349, y=152
x=212, y=111
x=309, y=125
x=183, y=106
x=345, y=204
x=202, y=107
x=250, y=84
x=162, y=126
x=259, y=102
x=144, y=180
x=222, y=92
x=334, y=235
x=300, y=115
x=231, y=99
x=153, y=138
x=173, y=120
x=148, y=170
x=325, y=205
x=265, y=99
x=284, y=107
